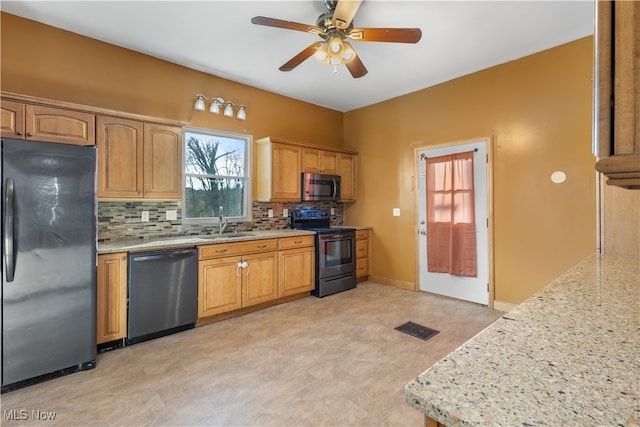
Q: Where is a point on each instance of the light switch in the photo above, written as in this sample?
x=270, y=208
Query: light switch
x=333, y=211
x=270, y=213
x=285, y=212
x=145, y=216
x=396, y=211
x=172, y=215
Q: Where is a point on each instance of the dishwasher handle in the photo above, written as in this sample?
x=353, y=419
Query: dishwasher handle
x=163, y=255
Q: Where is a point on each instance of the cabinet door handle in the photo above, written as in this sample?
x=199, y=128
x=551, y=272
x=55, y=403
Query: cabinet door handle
x=29, y=134
x=19, y=132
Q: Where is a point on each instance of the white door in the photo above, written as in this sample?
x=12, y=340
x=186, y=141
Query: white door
x=475, y=289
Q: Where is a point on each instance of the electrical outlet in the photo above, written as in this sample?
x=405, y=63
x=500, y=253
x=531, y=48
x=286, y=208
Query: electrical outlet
x=333, y=211
x=145, y=216
x=270, y=213
x=285, y=212
x=172, y=215
x=396, y=211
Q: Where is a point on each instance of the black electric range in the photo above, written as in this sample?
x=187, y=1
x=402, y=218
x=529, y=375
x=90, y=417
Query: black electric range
x=335, y=251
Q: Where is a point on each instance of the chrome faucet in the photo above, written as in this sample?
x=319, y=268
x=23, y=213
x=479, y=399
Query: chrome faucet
x=221, y=221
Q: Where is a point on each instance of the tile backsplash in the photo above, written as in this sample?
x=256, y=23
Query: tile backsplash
x=122, y=220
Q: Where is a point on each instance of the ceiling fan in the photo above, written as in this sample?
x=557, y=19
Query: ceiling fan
x=334, y=27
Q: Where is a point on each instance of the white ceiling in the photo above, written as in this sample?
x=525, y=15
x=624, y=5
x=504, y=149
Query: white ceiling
x=217, y=37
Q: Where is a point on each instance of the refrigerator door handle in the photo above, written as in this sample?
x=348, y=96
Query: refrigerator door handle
x=8, y=230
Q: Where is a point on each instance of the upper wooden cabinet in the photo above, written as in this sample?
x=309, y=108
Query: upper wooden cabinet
x=278, y=170
x=120, y=165
x=319, y=161
x=162, y=162
x=138, y=160
x=12, y=119
x=46, y=124
x=280, y=163
x=617, y=92
x=347, y=172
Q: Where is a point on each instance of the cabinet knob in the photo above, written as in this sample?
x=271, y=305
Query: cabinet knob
x=29, y=134
x=19, y=132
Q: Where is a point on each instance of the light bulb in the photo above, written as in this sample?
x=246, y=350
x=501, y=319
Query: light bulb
x=242, y=113
x=199, y=106
x=228, y=110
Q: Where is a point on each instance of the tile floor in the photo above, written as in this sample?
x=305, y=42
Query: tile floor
x=335, y=361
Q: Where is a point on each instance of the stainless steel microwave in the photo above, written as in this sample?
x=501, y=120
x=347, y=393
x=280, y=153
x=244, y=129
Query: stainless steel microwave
x=316, y=187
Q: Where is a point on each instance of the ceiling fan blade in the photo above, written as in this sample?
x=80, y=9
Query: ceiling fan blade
x=344, y=13
x=287, y=25
x=356, y=67
x=299, y=58
x=395, y=35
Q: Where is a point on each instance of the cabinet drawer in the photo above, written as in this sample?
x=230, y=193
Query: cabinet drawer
x=362, y=234
x=296, y=242
x=362, y=249
x=240, y=248
x=362, y=267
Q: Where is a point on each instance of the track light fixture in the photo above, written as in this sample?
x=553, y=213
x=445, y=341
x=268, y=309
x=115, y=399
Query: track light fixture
x=219, y=103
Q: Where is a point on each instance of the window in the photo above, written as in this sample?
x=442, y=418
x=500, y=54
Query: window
x=216, y=174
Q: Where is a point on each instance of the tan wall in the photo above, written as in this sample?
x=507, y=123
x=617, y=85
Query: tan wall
x=538, y=110
x=47, y=62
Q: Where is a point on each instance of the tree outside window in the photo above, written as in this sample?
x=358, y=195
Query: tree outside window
x=216, y=171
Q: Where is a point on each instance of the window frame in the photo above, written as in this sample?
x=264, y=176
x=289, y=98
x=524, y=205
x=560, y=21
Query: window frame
x=248, y=143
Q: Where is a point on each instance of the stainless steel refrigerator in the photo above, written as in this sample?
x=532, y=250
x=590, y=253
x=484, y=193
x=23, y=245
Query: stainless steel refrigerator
x=48, y=261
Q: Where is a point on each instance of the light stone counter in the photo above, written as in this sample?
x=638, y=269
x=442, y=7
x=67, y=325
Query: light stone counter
x=569, y=355
x=190, y=241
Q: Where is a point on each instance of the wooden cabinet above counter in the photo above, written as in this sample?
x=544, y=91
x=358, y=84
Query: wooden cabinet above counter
x=280, y=163
x=138, y=160
x=139, y=157
x=617, y=92
x=47, y=124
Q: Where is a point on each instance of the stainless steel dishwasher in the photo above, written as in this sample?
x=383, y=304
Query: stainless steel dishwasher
x=163, y=293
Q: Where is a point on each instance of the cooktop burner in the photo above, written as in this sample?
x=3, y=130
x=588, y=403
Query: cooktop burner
x=316, y=220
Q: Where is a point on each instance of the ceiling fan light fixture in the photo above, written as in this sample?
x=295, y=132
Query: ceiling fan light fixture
x=348, y=54
x=322, y=54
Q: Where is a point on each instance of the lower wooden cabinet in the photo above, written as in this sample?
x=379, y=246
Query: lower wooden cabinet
x=219, y=286
x=227, y=283
x=111, y=298
x=238, y=275
x=296, y=266
x=362, y=254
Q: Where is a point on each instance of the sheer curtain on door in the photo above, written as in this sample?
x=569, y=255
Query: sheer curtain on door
x=451, y=228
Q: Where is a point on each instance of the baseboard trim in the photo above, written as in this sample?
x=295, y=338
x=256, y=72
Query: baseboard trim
x=410, y=286
x=503, y=306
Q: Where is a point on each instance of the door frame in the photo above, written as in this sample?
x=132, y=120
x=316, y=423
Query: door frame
x=417, y=147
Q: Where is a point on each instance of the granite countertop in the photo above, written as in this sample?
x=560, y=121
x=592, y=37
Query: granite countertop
x=140, y=245
x=569, y=355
